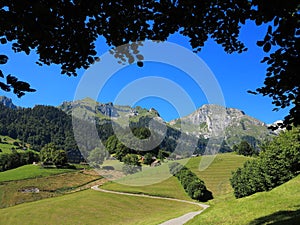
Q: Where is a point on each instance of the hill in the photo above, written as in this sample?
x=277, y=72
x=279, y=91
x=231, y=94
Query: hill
x=278, y=207
x=216, y=178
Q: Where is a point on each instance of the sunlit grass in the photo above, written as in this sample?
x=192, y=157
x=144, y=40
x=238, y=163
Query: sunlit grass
x=278, y=206
x=92, y=207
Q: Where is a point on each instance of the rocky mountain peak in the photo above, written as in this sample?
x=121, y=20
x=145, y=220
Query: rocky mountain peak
x=214, y=120
x=7, y=102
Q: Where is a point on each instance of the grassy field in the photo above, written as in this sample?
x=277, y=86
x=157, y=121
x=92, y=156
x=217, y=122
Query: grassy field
x=155, y=181
x=92, y=207
x=216, y=178
x=279, y=206
x=7, y=144
x=11, y=192
x=29, y=171
x=170, y=188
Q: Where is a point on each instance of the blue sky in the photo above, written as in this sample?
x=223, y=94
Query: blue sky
x=235, y=73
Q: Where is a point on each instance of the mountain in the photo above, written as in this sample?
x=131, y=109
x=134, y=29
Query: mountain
x=206, y=122
x=43, y=124
x=88, y=109
x=7, y=102
x=213, y=120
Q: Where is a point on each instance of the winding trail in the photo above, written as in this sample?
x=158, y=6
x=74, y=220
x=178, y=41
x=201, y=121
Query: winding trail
x=176, y=221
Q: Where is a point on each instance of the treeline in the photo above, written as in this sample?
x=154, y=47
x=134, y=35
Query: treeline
x=16, y=159
x=192, y=184
x=39, y=126
x=277, y=162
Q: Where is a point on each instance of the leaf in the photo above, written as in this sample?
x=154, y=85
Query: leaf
x=252, y=92
x=140, y=64
x=4, y=87
x=3, y=59
x=11, y=79
x=267, y=47
x=260, y=43
x=265, y=59
x=1, y=74
x=3, y=41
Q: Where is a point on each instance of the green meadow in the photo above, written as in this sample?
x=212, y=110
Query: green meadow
x=279, y=206
x=216, y=178
x=57, y=205
x=30, y=171
x=93, y=207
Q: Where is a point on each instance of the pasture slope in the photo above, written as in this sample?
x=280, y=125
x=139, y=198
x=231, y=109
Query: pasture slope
x=216, y=178
x=93, y=207
x=279, y=206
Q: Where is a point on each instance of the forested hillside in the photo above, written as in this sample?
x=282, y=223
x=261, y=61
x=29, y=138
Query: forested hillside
x=39, y=126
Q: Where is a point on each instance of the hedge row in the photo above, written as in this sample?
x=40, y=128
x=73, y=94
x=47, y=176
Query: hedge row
x=192, y=184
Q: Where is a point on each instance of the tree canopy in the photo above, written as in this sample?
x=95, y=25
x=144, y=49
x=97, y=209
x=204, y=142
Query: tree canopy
x=278, y=162
x=64, y=32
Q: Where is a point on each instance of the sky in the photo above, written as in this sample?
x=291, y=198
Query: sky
x=165, y=87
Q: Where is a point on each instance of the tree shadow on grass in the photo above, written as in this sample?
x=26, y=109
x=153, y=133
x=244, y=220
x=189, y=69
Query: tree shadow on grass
x=279, y=218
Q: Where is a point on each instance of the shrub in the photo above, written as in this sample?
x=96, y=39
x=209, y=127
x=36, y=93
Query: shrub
x=192, y=184
x=278, y=162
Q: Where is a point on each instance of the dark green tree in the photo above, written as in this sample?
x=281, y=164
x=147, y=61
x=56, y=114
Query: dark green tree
x=148, y=158
x=64, y=33
x=278, y=162
x=244, y=148
x=96, y=157
x=131, y=164
x=53, y=156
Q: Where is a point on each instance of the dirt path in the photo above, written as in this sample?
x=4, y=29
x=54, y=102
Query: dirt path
x=176, y=221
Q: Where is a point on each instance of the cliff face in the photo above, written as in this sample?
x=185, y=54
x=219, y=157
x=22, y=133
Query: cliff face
x=7, y=102
x=233, y=124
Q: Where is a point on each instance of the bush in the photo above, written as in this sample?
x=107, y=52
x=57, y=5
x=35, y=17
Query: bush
x=130, y=169
x=108, y=168
x=278, y=162
x=16, y=159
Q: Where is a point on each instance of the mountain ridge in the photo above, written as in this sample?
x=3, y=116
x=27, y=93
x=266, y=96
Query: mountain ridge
x=207, y=121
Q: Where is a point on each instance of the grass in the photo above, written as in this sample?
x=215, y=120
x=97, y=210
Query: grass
x=7, y=144
x=278, y=207
x=49, y=186
x=216, y=178
x=29, y=171
x=92, y=207
x=155, y=181
x=170, y=188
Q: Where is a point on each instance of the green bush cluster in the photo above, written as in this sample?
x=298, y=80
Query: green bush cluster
x=16, y=159
x=278, y=162
x=192, y=184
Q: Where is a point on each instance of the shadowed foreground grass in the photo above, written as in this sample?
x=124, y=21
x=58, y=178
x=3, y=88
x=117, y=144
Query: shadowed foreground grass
x=92, y=207
x=278, y=206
